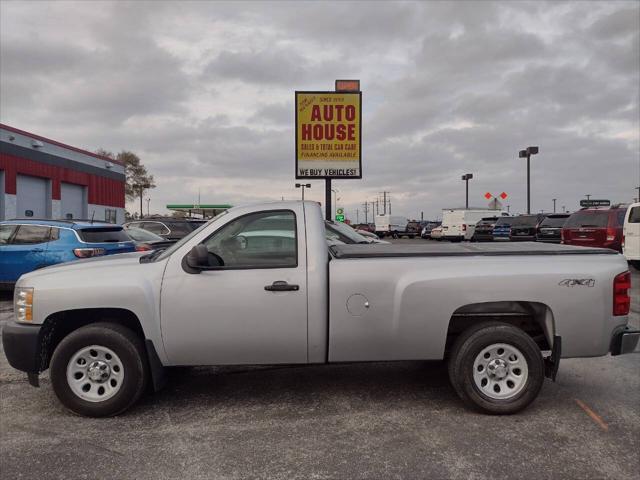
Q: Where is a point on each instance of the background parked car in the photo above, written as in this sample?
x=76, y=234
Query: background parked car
x=525, y=227
x=367, y=234
x=393, y=225
x=484, y=230
x=631, y=235
x=550, y=228
x=460, y=223
x=595, y=227
x=502, y=229
x=436, y=233
x=338, y=232
x=168, y=228
x=146, y=240
x=28, y=245
x=426, y=230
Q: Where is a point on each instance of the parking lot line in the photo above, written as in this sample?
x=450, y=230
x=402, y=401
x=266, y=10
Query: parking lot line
x=594, y=416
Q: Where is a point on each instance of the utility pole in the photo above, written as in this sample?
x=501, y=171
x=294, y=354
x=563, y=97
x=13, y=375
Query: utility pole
x=384, y=203
x=422, y=216
x=554, y=204
x=357, y=215
x=366, y=212
x=508, y=207
x=637, y=199
x=148, y=201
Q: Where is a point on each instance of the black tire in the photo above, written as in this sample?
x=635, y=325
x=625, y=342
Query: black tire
x=470, y=343
x=125, y=344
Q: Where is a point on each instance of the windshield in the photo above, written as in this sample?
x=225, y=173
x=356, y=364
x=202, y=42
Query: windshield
x=343, y=233
x=140, y=235
x=103, y=235
x=524, y=221
x=588, y=218
x=554, y=221
x=502, y=221
x=167, y=252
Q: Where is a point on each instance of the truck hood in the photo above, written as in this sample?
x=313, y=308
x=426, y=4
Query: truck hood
x=86, y=266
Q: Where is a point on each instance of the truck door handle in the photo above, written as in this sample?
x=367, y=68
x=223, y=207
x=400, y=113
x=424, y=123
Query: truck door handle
x=281, y=286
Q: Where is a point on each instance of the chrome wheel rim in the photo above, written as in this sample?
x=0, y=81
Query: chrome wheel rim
x=95, y=373
x=500, y=371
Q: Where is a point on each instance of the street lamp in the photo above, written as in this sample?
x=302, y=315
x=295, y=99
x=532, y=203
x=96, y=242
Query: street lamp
x=466, y=177
x=303, y=186
x=527, y=154
x=554, y=204
x=335, y=201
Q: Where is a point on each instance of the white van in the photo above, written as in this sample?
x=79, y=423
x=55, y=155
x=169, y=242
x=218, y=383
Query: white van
x=391, y=225
x=631, y=235
x=460, y=223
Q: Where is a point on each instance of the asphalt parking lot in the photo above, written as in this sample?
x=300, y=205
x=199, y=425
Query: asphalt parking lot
x=380, y=420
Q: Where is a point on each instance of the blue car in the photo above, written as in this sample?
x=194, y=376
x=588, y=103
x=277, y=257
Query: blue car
x=26, y=245
x=502, y=229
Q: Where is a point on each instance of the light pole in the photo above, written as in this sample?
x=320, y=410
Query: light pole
x=508, y=208
x=588, y=195
x=554, y=204
x=527, y=154
x=335, y=201
x=466, y=177
x=303, y=186
x=148, y=201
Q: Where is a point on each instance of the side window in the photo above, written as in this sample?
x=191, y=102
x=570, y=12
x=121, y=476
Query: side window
x=155, y=227
x=634, y=215
x=5, y=233
x=620, y=218
x=31, y=234
x=258, y=240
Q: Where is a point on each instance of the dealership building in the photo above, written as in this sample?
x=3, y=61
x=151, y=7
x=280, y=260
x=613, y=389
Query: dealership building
x=43, y=178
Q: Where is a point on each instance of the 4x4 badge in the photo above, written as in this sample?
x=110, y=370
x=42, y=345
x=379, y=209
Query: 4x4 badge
x=578, y=282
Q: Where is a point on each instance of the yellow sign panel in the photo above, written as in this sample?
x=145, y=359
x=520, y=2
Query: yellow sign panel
x=328, y=135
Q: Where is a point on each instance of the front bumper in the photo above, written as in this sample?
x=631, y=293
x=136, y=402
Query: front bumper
x=625, y=341
x=21, y=346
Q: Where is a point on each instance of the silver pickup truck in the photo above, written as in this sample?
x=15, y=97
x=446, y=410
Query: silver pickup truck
x=260, y=285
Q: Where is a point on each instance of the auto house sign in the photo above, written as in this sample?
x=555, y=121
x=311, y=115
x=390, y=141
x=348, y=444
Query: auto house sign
x=328, y=134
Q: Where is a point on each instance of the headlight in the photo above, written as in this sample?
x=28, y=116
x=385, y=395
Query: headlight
x=23, y=304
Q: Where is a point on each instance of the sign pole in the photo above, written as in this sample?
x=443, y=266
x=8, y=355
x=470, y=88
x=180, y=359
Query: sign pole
x=327, y=198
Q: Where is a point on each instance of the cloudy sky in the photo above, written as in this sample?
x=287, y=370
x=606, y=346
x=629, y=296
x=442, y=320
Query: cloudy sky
x=204, y=92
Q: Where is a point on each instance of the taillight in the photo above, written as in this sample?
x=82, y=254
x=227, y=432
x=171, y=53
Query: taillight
x=621, y=298
x=88, y=252
x=143, y=247
x=611, y=234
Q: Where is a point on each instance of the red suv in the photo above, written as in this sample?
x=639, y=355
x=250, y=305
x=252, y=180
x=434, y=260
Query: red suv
x=595, y=227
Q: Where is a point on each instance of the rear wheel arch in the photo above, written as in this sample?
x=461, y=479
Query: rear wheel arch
x=534, y=318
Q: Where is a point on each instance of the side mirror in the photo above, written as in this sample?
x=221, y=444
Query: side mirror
x=199, y=259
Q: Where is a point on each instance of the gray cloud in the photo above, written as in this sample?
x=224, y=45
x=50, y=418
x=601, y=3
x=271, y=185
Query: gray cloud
x=203, y=91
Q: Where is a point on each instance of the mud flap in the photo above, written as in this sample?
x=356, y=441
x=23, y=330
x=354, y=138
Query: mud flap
x=552, y=362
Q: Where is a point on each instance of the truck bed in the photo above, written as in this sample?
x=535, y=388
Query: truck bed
x=462, y=250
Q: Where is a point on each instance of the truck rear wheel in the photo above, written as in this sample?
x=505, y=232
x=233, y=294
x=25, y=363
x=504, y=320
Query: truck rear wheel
x=496, y=368
x=99, y=370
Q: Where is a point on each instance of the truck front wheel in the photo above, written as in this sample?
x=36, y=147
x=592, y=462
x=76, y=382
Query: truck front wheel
x=496, y=368
x=99, y=370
